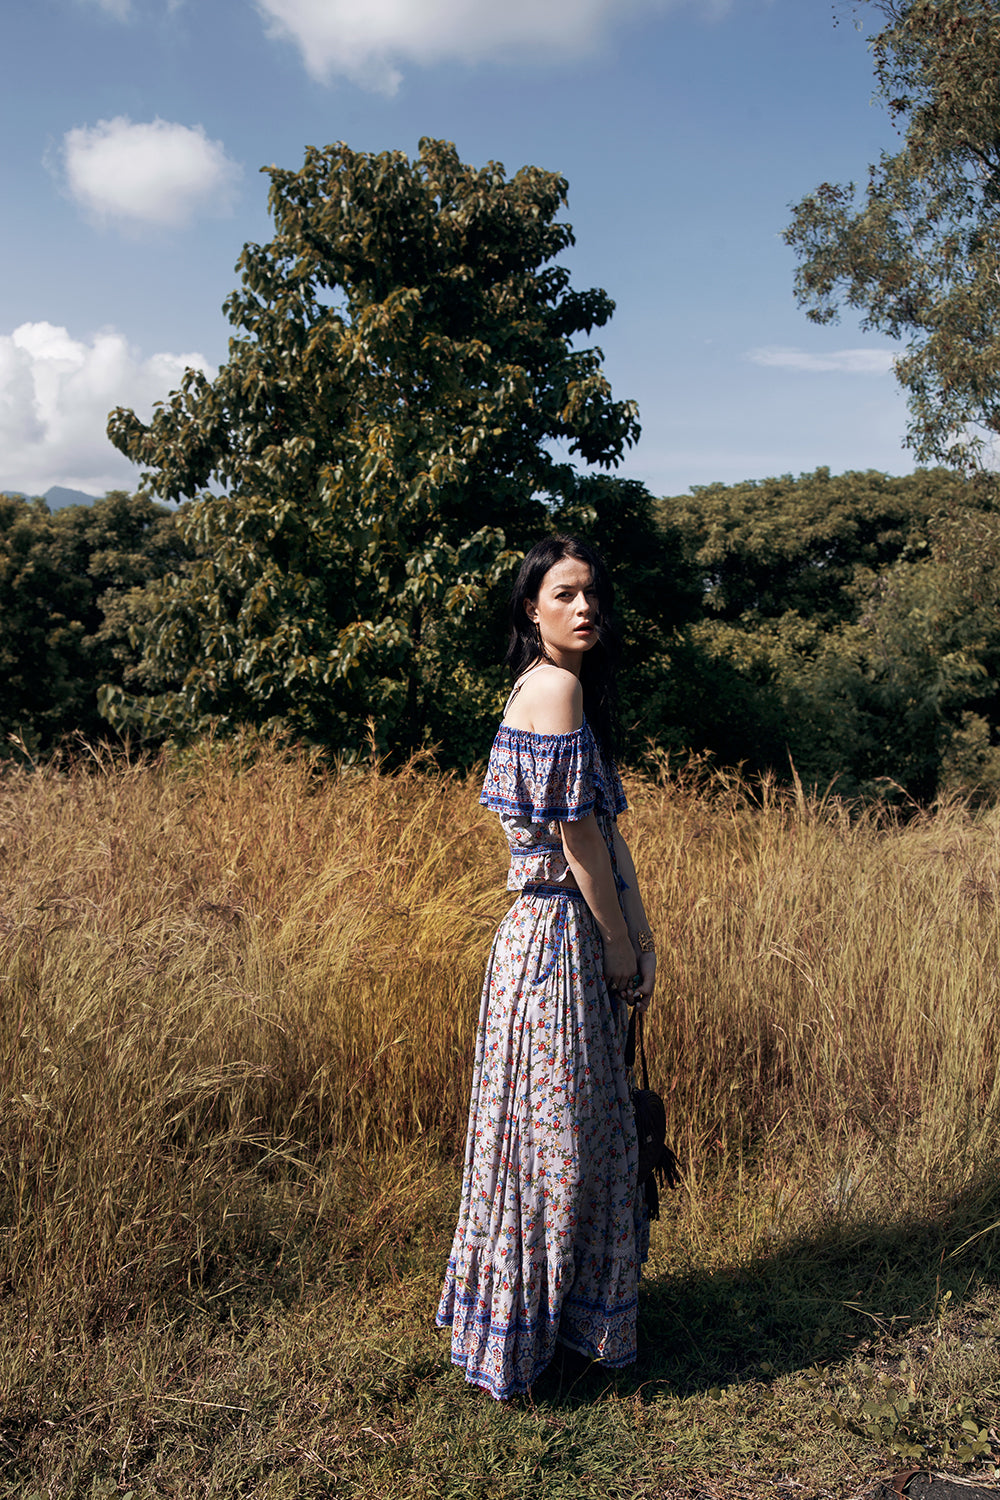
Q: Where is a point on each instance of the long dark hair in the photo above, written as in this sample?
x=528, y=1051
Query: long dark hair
x=598, y=674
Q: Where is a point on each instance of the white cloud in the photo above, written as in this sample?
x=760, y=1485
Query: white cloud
x=840, y=361
x=55, y=396
x=367, y=40
x=157, y=174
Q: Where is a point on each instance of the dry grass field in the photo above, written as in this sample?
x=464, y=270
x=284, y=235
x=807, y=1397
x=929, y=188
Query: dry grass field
x=237, y=1007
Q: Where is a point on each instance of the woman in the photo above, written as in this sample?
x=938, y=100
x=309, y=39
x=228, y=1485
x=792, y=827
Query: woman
x=552, y=1229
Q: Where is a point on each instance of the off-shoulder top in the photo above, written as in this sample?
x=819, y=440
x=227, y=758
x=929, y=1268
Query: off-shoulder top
x=537, y=781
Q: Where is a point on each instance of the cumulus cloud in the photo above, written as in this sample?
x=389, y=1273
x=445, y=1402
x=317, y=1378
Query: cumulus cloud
x=840, y=361
x=155, y=174
x=368, y=42
x=55, y=395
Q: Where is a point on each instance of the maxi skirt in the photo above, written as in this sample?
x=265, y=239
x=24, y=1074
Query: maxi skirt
x=552, y=1227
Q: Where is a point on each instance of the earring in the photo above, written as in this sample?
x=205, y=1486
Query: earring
x=539, y=643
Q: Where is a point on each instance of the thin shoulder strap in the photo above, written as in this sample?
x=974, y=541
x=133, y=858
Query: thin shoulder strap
x=521, y=681
x=634, y=1025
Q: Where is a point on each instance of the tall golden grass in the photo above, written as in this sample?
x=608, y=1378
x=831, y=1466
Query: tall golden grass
x=230, y=980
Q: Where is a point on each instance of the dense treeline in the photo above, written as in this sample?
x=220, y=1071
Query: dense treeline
x=848, y=625
x=71, y=586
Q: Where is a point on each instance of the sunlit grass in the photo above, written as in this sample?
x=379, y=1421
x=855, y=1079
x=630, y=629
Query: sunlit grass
x=238, y=1009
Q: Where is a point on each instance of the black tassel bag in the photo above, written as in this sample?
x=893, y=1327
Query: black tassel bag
x=655, y=1157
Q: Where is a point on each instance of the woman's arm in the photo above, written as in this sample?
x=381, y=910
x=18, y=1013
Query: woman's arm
x=551, y=702
x=638, y=922
x=588, y=859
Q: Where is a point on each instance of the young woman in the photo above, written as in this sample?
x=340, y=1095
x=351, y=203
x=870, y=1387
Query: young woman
x=552, y=1229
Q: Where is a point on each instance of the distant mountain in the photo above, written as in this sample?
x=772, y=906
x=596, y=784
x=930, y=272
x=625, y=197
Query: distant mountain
x=58, y=497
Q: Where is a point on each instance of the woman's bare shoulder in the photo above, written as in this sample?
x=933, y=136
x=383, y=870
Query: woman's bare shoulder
x=550, y=702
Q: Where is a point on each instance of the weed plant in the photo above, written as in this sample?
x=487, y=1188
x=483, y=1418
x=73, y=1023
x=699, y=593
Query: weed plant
x=239, y=997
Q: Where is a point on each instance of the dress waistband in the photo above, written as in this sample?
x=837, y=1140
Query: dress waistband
x=540, y=888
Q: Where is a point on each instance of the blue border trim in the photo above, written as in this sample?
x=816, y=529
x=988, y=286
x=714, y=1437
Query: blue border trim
x=609, y=794
x=558, y=813
x=543, y=888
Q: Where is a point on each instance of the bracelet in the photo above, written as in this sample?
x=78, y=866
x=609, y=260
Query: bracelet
x=645, y=940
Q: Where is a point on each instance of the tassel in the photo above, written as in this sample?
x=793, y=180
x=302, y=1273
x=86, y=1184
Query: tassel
x=669, y=1168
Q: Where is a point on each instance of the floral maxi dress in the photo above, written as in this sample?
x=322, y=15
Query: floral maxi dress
x=552, y=1228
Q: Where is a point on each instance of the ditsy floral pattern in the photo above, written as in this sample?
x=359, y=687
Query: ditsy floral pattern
x=552, y=1229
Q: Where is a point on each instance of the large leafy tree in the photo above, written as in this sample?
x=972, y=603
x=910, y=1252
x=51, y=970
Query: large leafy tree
x=398, y=416
x=918, y=250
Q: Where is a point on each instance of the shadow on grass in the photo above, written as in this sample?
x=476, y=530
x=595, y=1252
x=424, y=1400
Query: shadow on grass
x=815, y=1299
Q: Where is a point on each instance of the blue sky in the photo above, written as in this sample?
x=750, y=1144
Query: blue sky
x=134, y=131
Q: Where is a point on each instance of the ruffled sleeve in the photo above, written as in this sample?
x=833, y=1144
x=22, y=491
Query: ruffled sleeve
x=548, y=778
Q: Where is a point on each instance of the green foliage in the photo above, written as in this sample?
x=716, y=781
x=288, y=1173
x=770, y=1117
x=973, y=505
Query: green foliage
x=889, y=1408
x=766, y=547
x=917, y=251
x=366, y=467
x=68, y=582
x=847, y=623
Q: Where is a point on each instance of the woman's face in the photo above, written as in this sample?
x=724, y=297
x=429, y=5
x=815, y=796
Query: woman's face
x=566, y=611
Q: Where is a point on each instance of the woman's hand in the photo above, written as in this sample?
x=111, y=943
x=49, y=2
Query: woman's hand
x=647, y=978
x=619, y=964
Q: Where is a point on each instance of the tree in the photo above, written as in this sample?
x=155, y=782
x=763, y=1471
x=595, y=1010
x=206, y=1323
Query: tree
x=919, y=252
x=764, y=547
x=66, y=579
x=365, y=468
x=846, y=621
